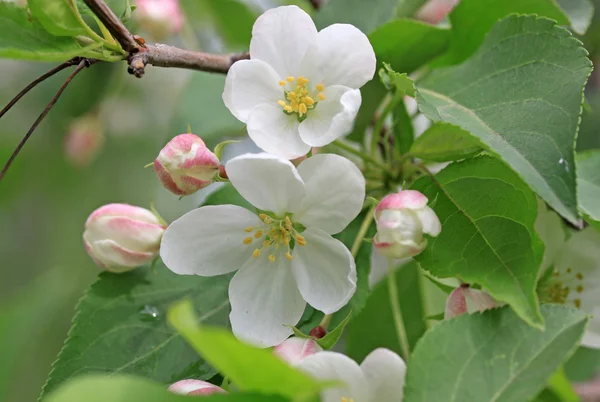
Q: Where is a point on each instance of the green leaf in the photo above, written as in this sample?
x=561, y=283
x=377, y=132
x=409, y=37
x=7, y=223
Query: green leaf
x=23, y=38
x=124, y=388
x=120, y=327
x=520, y=95
x=491, y=356
x=588, y=183
x=488, y=235
x=374, y=326
x=445, y=142
x=251, y=369
x=400, y=84
x=402, y=127
x=580, y=12
x=329, y=340
x=365, y=15
x=58, y=17
x=561, y=386
x=472, y=20
x=407, y=8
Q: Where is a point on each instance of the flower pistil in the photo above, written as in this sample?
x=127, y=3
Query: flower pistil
x=279, y=232
x=297, y=96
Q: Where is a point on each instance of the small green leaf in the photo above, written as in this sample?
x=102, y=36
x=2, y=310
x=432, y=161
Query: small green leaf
x=486, y=356
x=251, y=369
x=58, y=17
x=588, y=182
x=329, y=340
x=221, y=146
x=444, y=142
x=401, y=84
x=488, y=235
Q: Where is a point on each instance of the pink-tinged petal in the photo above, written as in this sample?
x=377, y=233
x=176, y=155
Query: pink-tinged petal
x=385, y=372
x=195, y=387
x=434, y=11
x=90, y=251
x=293, y=350
x=456, y=304
x=479, y=300
x=129, y=233
x=430, y=221
x=118, y=259
x=399, y=250
x=131, y=211
x=410, y=199
x=166, y=179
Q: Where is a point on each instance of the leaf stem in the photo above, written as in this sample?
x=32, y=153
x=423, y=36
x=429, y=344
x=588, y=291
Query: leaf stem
x=381, y=121
x=396, y=311
x=358, y=153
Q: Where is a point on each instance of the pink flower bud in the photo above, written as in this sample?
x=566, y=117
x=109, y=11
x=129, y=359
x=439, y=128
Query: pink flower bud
x=293, y=350
x=195, y=387
x=434, y=11
x=466, y=300
x=84, y=140
x=160, y=18
x=402, y=219
x=185, y=165
x=120, y=237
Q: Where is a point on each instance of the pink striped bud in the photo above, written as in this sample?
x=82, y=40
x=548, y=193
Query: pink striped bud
x=195, y=387
x=293, y=350
x=160, y=18
x=434, y=11
x=84, y=140
x=402, y=219
x=185, y=165
x=466, y=300
x=120, y=237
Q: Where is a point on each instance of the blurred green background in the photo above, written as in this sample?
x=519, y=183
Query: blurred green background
x=44, y=199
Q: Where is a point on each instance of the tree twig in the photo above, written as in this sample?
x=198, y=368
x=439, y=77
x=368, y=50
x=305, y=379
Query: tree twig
x=316, y=4
x=82, y=64
x=41, y=78
x=114, y=25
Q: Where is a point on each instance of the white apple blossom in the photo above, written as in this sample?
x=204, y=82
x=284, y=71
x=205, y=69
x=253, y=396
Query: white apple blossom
x=284, y=252
x=380, y=377
x=300, y=88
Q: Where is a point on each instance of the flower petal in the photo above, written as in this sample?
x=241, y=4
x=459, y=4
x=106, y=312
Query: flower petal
x=385, y=372
x=208, y=241
x=409, y=199
x=267, y=182
x=264, y=299
x=115, y=258
x=335, y=192
x=127, y=210
x=456, y=304
x=280, y=37
x=128, y=233
x=341, y=55
x=324, y=270
x=334, y=366
x=194, y=387
x=332, y=118
x=275, y=132
x=430, y=221
x=250, y=83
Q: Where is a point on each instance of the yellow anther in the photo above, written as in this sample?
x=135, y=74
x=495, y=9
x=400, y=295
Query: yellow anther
x=263, y=216
x=579, y=289
x=288, y=223
x=249, y=229
x=291, y=95
x=281, y=103
x=320, y=87
x=288, y=256
x=282, y=83
x=258, y=234
x=248, y=240
x=302, y=109
x=579, y=275
x=271, y=258
x=286, y=239
x=578, y=303
x=321, y=96
x=256, y=253
x=267, y=243
x=308, y=100
x=301, y=238
x=301, y=80
x=290, y=79
x=288, y=108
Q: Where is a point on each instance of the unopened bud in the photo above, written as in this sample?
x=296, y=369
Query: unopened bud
x=120, y=237
x=466, y=300
x=160, y=18
x=434, y=11
x=293, y=350
x=195, y=387
x=84, y=140
x=402, y=219
x=185, y=165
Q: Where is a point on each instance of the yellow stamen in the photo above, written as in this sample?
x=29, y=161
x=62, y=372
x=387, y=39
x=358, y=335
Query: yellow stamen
x=579, y=275
x=267, y=243
x=321, y=96
x=249, y=229
x=281, y=103
x=291, y=95
x=248, y=240
x=258, y=234
x=301, y=80
x=288, y=256
x=271, y=258
x=302, y=109
x=288, y=108
x=282, y=83
x=320, y=87
x=579, y=289
x=308, y=100
x=290, y=79
x=578, y=303
x=256, y=253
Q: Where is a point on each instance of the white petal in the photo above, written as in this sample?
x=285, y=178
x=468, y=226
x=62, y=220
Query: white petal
x=342, y=55
x=385, y=372
x=209, y=240
x=332, y=118
x=275, y=132
x=429, y=220
x=250, y=83
x=281, y=36
x=335, y=192
x=324, y=270
x=335, y=366
x=267, y=182
x=264, y=299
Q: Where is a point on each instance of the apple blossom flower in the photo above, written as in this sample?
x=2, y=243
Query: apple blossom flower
x=84, y=140
x=185, y=165
x=195, y=387
x=380, y=377
x=402, y=219
x=284, y=252
x=293, y=350
x=120, y=237
x=466, y=300
x=160, y=18
x=300, y=88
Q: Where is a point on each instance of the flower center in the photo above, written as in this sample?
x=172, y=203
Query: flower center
x=562, y=284
x=280, y=232
x=297, y=96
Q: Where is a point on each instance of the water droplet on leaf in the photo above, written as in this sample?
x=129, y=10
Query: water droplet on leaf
x=149, y=313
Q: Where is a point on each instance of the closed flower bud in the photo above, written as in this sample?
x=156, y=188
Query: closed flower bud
x=160, y=18
x=84, y=140
x=195, y=387
x=293, y=350
x=185, y=165
x=120, y=237
x=466, y=300
x=402, y=219
x=434, y=11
